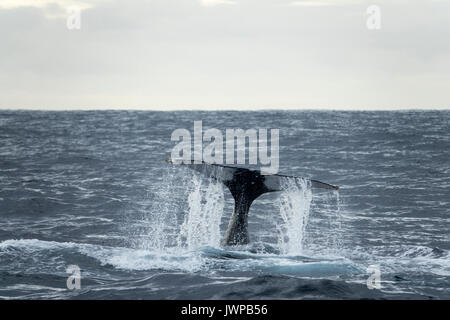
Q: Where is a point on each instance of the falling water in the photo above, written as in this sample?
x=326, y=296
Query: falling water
x=155, y=226
x=186, y=212
x=201, y=226
x=294, y=203
x=324, y=235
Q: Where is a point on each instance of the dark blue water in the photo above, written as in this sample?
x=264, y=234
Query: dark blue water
x=92, y=189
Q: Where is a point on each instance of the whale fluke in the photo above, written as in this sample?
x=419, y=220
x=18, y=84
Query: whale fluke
x=245, y=186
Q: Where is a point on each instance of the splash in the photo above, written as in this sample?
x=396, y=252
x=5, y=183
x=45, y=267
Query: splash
x=294, y=203
x=201, y=226
x=154, y=223
x=183, y=213
x=324, y=235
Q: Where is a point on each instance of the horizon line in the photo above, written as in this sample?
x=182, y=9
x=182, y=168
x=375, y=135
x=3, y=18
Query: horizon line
x=177, y=109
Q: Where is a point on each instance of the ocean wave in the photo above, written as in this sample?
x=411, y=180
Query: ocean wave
x=205, y=259
x=118, y=257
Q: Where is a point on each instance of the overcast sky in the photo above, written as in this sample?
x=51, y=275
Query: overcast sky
x=248, y=54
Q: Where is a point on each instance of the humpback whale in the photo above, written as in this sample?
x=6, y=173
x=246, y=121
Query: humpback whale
x=245, y=186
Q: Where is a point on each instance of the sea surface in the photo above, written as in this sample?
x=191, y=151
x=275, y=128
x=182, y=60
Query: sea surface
x=91, y=189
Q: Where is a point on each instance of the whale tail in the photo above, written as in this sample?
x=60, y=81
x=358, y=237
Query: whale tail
x=245, y=186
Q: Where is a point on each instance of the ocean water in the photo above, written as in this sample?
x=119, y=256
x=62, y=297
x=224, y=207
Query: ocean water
x=92, y=189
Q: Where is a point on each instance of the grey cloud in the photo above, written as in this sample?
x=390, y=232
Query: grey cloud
x=255, y=53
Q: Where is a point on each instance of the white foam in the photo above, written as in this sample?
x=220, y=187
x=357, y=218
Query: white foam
x=34, y=244
x=121, y=258
x=136, y=259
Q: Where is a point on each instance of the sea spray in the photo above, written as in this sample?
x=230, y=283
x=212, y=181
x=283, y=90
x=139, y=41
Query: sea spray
x=155, y=225
x=201, y=226
x=324, y=235
x=338, y=235
x=294, y=203
x=185, y=213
